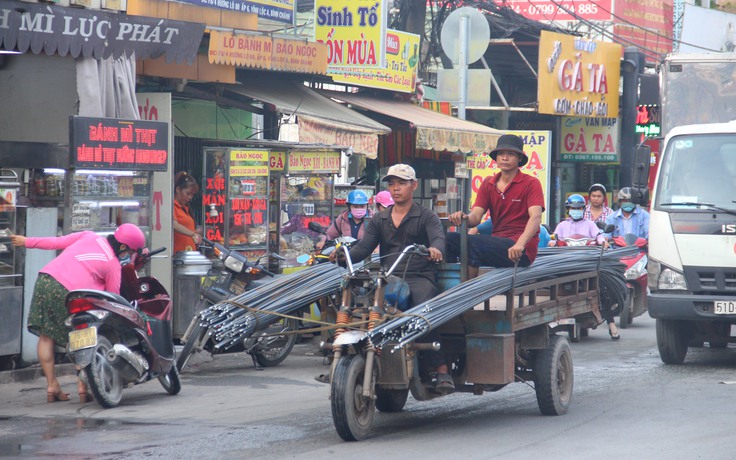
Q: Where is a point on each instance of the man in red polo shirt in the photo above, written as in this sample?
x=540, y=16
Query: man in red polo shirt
x=515, y=201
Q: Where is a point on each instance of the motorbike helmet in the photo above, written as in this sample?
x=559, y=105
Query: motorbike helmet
x=575, y=201
x=357, y=197
x=384, y=199
x=131, y=236
x=597, y=187
x=624, y=194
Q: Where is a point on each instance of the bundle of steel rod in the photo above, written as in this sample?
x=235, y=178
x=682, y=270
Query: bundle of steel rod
x=550, y=263
x=230, y=322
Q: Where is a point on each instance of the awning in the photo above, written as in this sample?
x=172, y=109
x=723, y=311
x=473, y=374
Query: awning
x=434, y=130
x=50, y=29
x=320, y=120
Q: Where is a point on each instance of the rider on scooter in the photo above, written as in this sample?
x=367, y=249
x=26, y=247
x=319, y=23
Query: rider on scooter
x=629, y=218
x=576, y=224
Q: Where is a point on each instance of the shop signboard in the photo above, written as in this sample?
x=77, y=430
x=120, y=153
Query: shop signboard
x=648, y=25
x=537, y=146
x=648, y=121
x=589, y=139
x=111, y=143
x=399, y=73
x=578, y=77
x=353, y=31
x=300, y=162
x=567, y=10
x=275, y=10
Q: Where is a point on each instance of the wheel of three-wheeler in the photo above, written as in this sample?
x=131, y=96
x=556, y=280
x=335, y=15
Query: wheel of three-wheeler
x=391, y=400
x=352, y=413
x=553, y=376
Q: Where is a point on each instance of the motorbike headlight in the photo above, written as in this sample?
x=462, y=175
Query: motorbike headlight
x=637, y=270
x=234, y=264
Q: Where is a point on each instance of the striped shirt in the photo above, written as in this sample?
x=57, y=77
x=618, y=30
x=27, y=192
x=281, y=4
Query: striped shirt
x=601, y=218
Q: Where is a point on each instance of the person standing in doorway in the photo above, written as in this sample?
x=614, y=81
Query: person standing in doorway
x=186, y=236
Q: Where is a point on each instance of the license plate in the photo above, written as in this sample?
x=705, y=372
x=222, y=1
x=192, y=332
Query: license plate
x=724, y=307
x=83, y=338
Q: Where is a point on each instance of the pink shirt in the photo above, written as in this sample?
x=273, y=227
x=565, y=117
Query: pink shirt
x=583, y=227
x=87, y=262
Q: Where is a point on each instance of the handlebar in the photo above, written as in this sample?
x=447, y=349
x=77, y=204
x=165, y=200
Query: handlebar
x=227, y=253
x=412, y=248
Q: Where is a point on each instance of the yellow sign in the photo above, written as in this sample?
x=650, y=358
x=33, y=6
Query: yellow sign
x=299, y=56
x=240, y=50
x=353, y=31
x=578, y=77
x=399, y=73
x=589, y=139
x=248, y=171
x=537, y=146
x=249, y=155
x=314, y=162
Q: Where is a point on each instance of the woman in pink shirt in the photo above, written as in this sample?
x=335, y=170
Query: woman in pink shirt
x=88, y=261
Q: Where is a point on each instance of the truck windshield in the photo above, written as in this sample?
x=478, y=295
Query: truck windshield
x=698, y=172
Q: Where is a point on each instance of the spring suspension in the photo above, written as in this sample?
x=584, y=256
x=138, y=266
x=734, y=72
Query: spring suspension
x=374, y=319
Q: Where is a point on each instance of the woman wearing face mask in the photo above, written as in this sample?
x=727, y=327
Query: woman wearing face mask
x=88, y=261
x=349, y=222
x=576, y=224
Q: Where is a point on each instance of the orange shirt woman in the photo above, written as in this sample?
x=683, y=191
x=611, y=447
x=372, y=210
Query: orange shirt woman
x=186, y=237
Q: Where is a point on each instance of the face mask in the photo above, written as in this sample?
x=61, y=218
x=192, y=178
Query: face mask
x=358, y=213
x=628, y=207
x=124, y=260
x=576, y=214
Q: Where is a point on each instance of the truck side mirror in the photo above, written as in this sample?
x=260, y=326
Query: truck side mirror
x=640, y=178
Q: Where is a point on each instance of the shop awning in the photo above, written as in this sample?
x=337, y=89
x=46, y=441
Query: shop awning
x=50, y=29
x=320, y=119
x=434, y=130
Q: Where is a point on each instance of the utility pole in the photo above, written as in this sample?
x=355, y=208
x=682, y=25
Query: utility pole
x=631, y=66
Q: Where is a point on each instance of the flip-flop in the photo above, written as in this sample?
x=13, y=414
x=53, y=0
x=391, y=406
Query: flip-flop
x=445, y=382
x=323, y=378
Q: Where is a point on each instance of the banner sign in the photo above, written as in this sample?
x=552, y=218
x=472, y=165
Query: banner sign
x=589, y=139
x=569, y=10
x=275, y=10
x=399, y=73
x=111, y=143
x=353, y=31
x=578, y=77
x=49, y=29
x=314, y=162
x=537, y=146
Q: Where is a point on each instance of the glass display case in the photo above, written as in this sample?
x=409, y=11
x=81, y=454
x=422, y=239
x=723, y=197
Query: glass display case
x=11, y=289
x=236, y=199
x=99, y=200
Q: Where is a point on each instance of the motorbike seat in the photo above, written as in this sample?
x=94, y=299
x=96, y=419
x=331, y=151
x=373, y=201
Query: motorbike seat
x=109, y=296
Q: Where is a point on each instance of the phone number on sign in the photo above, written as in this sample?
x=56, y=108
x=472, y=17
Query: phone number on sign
x=547, y=10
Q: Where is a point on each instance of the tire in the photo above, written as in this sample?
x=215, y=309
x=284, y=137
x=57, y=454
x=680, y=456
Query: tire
x=195, y=339
x=553, y=377
x=352, y=413
x=627, y=315
x=104, y=381
x=270, y=356
x=672, y=341
x=171, y=381
x=391, y=400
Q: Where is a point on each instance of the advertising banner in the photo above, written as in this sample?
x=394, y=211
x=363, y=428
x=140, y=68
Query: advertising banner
x=578, y=77
x=399, y=73
x=589, y=139
x=563, y=10
x=537, y=146
x=353, y=31
x=275, y=10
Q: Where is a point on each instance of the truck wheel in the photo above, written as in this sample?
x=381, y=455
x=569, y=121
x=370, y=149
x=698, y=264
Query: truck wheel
x=352, y=413
x=672, y=341
x=553, y=376
x=391, y=400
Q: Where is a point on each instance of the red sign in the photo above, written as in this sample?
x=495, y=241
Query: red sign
x=563, y=10
x=644, y=24
x=110, y=143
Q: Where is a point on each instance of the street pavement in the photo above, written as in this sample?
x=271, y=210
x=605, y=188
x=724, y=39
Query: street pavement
x=626, y=405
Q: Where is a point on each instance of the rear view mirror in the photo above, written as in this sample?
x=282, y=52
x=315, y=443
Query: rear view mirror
x=640, y=177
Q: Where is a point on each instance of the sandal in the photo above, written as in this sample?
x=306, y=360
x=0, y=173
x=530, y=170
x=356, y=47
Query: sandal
x=323, y=378
x=614, y=336
x=444, y=382
x=58, y=395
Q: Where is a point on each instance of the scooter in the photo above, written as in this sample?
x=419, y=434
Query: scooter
x=122, y=340
x=267, y=348
x=636, y=277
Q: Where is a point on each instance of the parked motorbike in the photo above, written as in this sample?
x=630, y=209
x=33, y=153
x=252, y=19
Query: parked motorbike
x=267, y=348
x=636, y=276
x=121, y=340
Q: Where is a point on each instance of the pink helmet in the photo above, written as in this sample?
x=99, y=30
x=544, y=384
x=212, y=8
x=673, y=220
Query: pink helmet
x=384, y=198
x=131, y=236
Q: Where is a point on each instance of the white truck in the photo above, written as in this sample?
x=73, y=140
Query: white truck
x=692, y=233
